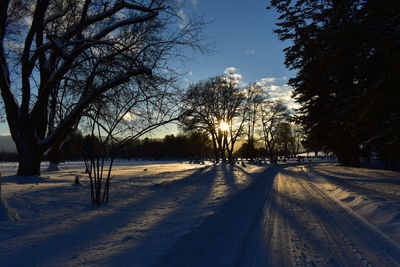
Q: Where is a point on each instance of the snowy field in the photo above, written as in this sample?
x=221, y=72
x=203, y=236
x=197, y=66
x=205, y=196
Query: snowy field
x=181, y=214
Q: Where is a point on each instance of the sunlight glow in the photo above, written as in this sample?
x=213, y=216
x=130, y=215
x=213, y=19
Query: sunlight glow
x=223, y=126
x=127, y=117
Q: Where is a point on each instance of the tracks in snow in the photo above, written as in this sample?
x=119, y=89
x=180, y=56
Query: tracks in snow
x=289, y=221
x=303, y=226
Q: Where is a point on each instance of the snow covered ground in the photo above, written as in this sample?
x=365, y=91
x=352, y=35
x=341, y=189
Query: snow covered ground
x=180, y=214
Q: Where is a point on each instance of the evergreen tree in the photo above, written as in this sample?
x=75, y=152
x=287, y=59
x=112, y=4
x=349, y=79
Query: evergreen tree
x=346, y=54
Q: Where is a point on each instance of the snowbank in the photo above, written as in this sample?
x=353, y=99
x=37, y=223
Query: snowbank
x=372, y=194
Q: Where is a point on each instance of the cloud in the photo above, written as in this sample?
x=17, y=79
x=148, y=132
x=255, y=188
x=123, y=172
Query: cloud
x=190, y=73
x=194, y=2
x=277, y=88
x=233, y=73
x=236, y=76
x=265, y=81
x=274, y=88
x=184, y=20
x=249, y=52
x=230, y=69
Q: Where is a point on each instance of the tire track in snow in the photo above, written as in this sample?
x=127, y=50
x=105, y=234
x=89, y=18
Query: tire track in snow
x=267, y=242
x=350, y=241
x=282, y=219
x=361, y=230
x=335, y=250
x=217, y=241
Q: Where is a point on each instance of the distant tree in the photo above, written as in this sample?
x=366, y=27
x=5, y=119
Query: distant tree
x=249, y=151
x=87, y=47
x=199, y=144
x=296, y=138
x=283, y=139
x=273, y=115
x=71, y=148
x=187, y=145
x=245, y=118
x=209, y=104
x=255, y=96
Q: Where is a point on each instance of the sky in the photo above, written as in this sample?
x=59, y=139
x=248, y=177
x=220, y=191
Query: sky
x=242, y=39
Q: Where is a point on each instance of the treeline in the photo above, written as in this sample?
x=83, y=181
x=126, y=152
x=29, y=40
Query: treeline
x=190, y=145
x=347, y=58
x=229, y=112
x=180, y=146
x=8, y=156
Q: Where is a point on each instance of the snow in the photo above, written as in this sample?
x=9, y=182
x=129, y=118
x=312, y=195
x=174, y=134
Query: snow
x=59, y=227
x=180, y=214
x=372, y=194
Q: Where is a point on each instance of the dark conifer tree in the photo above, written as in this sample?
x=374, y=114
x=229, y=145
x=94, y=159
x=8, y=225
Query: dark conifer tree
x=346, y=53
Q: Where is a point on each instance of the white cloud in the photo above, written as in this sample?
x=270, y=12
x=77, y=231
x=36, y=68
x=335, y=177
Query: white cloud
x=265, y=81
x=236, y=76
x=184, y=20
x=249, y=52
x=233, y=73
x=276, y=90
x=230, y=69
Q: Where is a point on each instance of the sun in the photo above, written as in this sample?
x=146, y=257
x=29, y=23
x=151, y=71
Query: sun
x=223, y=126
x=127, y=117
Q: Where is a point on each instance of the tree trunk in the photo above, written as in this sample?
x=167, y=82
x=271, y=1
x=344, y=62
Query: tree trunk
x=55, y=156
x=29, y=153
x=215, y=149
x=222, y=154
x=230, y=156
x=29, y=161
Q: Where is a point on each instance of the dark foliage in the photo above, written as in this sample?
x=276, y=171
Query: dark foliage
x=248, y=150
x=194, y=145
x=347, y=54
x=8, y=156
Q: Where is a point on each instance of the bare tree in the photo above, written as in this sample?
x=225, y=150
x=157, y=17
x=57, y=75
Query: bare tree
x=116, y=119
x=244, y=112
x=216, y=106
x=199, y=116
x=272, y=114
x=283, y=139
x=90, y=46
x=255, y=96
x=296, y=139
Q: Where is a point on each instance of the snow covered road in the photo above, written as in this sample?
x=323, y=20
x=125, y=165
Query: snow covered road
x=298, y=224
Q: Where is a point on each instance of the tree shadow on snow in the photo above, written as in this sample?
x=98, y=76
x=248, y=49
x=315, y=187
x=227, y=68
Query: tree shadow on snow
x=351, y=184
x=16, y=179
x=164, y=207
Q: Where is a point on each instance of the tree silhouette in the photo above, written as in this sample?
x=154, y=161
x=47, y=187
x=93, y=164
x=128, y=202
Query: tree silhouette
x=209, y=103
x=87, y=47
x=346, y=57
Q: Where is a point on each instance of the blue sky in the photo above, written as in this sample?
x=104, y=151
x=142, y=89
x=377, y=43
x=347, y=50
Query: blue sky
x=242, y=33
x=243, y=41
